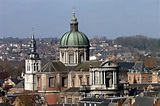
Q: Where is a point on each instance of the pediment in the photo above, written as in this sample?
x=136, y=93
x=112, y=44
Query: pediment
x=108, y=64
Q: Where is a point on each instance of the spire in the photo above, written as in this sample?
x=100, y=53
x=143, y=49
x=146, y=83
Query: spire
x=74, y=22
x=33, y=53
x=33, y=44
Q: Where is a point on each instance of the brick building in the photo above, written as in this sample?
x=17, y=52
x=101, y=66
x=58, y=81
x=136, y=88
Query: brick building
x=139, y=74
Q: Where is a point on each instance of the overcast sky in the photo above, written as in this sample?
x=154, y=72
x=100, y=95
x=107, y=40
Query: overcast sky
x=51, y=18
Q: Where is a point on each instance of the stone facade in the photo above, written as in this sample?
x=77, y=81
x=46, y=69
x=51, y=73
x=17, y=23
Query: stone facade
x=73, y=56
x=32, y=66
x=104, y=80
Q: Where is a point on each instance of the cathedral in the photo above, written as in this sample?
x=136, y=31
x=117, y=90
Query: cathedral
x=74, y=76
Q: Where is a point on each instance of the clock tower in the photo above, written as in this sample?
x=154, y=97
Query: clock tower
x=32, y=66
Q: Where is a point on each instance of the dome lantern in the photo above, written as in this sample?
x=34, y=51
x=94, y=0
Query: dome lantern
x=74, y=23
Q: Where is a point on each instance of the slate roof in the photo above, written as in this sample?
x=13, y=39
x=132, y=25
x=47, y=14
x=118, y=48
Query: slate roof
x=54, y=66
x=4, y=75
x=156, y=68
x=139, y=85
x=5, y=104
x=102, y=100
x=20, y=84
x=72, y=89
x=126, y=65
x=15, y=80
x=139, y=67
x=95, y=100
x=85, y=65
x=153, y=94
x=2, y=81
x=143, y=101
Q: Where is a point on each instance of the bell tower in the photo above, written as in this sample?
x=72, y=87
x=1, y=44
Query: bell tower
x=32, y=66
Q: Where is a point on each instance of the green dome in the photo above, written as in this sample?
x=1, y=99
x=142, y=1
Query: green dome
x=74, y=39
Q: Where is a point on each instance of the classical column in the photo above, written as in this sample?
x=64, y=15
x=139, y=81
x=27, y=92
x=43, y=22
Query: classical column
x=93, y=78
x=113, y=75
x=65, y=61
x=104, y=77
x=74, y=57
x=67, y=58
x=84, y=54
x=98, y=78
x=77, y=57
x=101, y=78
x=90, y=78
x=60, y=55
x=70, y=80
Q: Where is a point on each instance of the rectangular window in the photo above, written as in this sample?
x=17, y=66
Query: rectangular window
x=138, y=79
x=80, y=80
x=107, y=82
x=129, y=78
x=73, y=81
x=82, y=57
x=51, y=81
x=38, y=81
x=37, y=67
x=69, y=100
x=150, y=79
x=143, y=78
x=34, y=67
x=71, y=59
x=87, y=80
x=64, y=81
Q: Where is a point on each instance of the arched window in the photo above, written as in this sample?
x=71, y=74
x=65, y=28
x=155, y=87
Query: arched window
x=34, y=67
x=37, y=66
x=73, y=81
x=87, y=80
x=82, y=57
x=80, y=80
x=38, y=81
x=62, y=53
